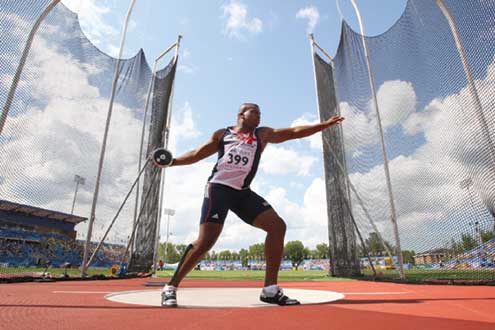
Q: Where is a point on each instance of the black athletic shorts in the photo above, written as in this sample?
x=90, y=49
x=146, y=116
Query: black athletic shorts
x=219, y=199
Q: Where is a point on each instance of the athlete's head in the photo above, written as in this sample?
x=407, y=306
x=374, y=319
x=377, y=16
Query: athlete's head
x=249, y=115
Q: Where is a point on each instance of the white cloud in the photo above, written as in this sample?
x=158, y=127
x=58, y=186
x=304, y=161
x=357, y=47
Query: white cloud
x=58, y=134
x=182, y=126
x=314, y=140
x=310, y=13
x=396, y=101
x=186, y=53
x=184, y=63
x=359, y=129
x=280, y=160
x=94, y=21
x=187, y=68
x=238, y=22
x=432, y=208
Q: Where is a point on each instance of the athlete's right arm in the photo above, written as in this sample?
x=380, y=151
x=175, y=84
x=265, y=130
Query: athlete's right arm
x=206, y=150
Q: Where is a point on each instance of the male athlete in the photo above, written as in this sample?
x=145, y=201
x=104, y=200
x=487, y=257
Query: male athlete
x=239, y=149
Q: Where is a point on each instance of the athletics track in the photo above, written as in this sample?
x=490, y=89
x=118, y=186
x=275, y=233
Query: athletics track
x=365, y=306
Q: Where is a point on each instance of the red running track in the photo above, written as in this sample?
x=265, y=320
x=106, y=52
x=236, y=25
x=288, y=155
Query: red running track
x=367, y=305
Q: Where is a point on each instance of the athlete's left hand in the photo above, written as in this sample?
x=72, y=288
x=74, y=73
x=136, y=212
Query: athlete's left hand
x=333, y=120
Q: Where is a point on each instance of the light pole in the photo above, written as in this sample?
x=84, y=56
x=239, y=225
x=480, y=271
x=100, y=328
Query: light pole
x=466, y=184
x=113, y=92
x=168, y=213
x=79, y=180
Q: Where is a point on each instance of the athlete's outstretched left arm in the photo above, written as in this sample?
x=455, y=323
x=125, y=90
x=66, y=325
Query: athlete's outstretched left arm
x=278, y=135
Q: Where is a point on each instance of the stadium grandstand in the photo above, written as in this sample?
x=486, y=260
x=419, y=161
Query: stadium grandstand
x=36, y=237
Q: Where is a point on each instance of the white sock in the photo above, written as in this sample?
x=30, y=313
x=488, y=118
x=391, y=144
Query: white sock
x=270, y=290
x=169, y=287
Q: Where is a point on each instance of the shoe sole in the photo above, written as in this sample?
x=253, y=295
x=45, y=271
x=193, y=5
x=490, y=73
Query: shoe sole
x=169, y=304
x=269, y=301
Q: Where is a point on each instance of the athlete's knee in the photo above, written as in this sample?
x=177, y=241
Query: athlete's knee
x=281, y=226
x=275, y=226
x=202, y=245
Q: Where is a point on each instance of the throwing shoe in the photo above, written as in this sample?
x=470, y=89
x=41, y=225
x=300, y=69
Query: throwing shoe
x=278, y=299
x=169, y=296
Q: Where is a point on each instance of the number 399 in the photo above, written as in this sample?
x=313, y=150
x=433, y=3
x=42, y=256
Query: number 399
x=237, y=159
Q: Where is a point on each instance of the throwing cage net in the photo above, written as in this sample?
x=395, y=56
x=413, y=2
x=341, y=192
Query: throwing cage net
x=434, y=77
x=51, y=136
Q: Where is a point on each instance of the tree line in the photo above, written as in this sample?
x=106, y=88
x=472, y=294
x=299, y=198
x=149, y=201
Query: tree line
x=295, y=251
x=377, y=247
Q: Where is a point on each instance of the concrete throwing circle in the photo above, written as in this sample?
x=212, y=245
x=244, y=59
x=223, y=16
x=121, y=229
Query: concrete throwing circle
x=220, y=297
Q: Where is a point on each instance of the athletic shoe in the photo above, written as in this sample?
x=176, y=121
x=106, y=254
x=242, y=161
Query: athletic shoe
x=278, y=299
x=169, y=296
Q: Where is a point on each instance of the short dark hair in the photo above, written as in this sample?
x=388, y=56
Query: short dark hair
x=246, y=106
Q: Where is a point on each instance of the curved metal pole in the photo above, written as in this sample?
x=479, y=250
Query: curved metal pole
x=166, y=139
x=105, y=135
x=469, y=77
x=393, y=215
x=20, y=67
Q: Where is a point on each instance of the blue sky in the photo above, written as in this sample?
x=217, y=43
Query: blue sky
x=258, y=51
x=232, y=52
x=269, y=64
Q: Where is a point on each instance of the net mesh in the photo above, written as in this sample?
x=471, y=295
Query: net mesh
x=343, y=250
x=438, y=140
x=52, y=137
x=142, y=257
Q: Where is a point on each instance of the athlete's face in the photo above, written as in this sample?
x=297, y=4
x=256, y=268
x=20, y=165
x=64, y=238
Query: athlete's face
x=252, y=116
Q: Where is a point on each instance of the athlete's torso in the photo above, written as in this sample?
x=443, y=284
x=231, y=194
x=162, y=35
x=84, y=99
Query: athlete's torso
x=238, y=159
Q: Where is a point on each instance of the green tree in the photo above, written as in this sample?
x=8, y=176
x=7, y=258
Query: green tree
x=408, y=256
x=225, y=255
x=172, y=255
x=468, y=242
x=323, y=251
x=376, y=246
x=181, y=248
x=257, y=251
x=313, y=254
x=243, y=255
x=487, y=236
x=294, y=251
x=307, y=253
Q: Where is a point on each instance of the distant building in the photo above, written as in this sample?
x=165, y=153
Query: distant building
x=433, y=256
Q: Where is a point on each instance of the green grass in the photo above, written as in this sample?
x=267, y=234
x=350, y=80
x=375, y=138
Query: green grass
x=438, y=274
x=284, y=275
x=54, y=271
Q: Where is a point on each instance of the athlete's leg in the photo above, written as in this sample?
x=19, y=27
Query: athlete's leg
x=275, y=229
x=254, y=210
x=208, y=234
